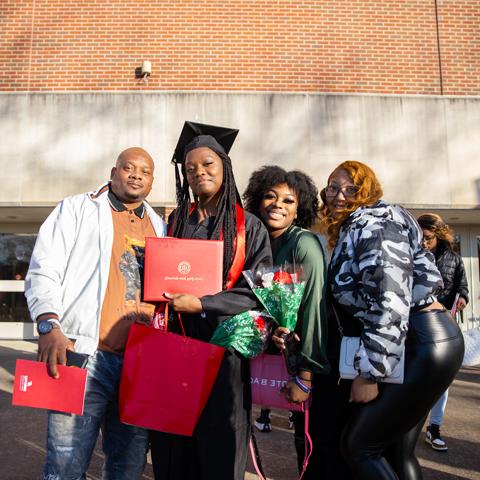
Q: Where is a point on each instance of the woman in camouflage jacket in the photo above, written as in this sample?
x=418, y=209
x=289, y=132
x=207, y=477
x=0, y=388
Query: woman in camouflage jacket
x=382, y=286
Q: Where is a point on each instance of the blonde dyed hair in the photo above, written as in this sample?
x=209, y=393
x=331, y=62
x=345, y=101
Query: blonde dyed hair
x=436, y=224
x=369, y=192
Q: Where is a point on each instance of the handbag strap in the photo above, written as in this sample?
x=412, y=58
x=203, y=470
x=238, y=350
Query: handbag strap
x=351, y=324
x=335, y=313
x=255, y=453
x=308, y=438
x=160, y=318
x=179, y=319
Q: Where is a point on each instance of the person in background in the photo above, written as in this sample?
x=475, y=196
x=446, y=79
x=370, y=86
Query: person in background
x=263, y=422
x=438, y=237
x=382, y=285
x=287, y=204
x=219, y=445
x=83, y=290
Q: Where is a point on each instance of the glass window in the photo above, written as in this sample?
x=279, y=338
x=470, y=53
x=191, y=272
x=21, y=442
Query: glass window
x=15, y=253
x=13, y=307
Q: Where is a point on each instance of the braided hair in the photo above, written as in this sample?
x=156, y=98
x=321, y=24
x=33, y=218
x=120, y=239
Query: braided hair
x=225, y=219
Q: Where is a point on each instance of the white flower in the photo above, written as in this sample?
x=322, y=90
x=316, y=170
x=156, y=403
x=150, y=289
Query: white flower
x=267, y=279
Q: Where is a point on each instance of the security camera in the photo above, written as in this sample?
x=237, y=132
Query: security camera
x=146, y=68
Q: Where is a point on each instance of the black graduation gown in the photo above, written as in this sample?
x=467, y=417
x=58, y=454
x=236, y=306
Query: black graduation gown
x=219, y=446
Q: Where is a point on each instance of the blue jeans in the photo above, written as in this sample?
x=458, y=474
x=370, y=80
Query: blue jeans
x=71, y=438
x=438, y=410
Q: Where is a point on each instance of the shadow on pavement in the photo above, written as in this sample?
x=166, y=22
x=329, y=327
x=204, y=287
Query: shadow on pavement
x=469, y=374
x=460, y=461
x=23, y=430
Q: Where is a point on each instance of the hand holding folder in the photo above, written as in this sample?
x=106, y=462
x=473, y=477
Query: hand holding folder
x=184, y=303
x=34, y=387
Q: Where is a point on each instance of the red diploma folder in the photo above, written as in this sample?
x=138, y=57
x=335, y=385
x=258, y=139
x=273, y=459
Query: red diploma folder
x=33, y=387
x=182, y=265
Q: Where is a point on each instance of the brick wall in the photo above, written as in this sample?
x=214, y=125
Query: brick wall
x=377, y=46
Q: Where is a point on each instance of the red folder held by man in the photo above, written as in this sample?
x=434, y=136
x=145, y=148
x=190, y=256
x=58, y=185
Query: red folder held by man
x=181, y=265
x=33, y=387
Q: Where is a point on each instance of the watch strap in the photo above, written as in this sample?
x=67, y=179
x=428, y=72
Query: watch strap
x=53, y=320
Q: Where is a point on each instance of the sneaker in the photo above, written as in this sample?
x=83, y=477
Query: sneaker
x=262, y=423
x=290, y=420
x=434, y=438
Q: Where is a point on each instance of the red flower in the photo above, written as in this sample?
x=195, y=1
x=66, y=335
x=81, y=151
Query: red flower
x=282, y=277
x=260, y=323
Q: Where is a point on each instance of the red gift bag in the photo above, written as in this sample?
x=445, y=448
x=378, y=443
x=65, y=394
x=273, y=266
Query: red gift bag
x=166, y=379
x=268, y=375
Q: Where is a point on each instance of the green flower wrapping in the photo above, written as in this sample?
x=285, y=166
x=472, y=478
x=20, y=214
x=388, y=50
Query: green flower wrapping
x=248, y=333
x=280, y=290
x=282, y=303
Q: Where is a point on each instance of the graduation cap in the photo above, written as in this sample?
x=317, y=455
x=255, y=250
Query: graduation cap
x=194, y=135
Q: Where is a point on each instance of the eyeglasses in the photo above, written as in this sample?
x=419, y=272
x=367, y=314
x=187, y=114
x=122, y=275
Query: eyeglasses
x=347, y=191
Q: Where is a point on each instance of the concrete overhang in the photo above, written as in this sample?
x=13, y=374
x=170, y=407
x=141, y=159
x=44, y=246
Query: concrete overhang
x=452, y=216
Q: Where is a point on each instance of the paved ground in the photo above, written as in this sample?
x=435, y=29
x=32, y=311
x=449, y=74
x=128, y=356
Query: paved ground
x=22, y=433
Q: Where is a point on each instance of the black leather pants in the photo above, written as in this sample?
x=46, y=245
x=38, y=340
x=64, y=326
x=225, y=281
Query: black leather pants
x=378, y=442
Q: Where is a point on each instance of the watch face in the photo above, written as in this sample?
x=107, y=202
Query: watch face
x=44, y=327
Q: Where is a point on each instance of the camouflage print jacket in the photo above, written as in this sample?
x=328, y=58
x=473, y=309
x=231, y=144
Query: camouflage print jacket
x=378, y=272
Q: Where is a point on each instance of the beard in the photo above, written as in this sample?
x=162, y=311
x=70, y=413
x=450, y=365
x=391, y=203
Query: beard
x=132, y=196
x=129, y=197
x=126, y=194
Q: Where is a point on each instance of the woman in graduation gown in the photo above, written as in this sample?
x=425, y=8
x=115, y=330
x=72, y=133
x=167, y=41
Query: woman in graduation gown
x=288, y=204
x=218, y=448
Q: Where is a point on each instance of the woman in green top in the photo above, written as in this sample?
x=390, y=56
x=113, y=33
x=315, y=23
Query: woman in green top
x=287, y=204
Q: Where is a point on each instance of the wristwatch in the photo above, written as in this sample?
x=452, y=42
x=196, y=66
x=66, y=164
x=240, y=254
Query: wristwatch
x=46, y=326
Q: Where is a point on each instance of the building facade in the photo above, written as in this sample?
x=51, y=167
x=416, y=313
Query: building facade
x=395, y=84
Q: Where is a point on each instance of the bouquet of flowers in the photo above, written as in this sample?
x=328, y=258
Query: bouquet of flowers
x=248, y=333
x=280, y=291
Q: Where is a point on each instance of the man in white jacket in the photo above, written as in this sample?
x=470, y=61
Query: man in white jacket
x=83, y=289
